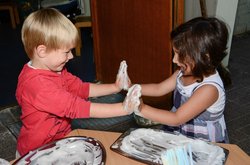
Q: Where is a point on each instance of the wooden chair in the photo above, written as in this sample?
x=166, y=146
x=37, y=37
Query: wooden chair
x=80, y=22
x=12, y=8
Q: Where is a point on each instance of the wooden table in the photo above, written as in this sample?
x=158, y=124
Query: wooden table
x=236, y=155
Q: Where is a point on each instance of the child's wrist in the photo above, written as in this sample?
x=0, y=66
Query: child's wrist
x=117, y=88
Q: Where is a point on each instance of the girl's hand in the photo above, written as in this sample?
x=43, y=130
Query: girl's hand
x=132, y=101
x=122, y=78
x=138, y=111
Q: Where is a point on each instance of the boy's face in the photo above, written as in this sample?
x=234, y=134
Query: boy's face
x=55, y=60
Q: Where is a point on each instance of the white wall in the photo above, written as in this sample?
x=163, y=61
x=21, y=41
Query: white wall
x=192, y=8
x=226, y=9
x=86, y=5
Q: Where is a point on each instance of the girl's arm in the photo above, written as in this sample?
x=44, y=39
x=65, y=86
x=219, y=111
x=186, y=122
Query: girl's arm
x=107, y=110
x=201, y=99
x=160, y=89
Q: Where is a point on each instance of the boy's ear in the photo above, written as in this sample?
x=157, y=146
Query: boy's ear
x=41, y=51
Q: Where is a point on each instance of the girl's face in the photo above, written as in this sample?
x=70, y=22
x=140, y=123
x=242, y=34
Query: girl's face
x=185, y=67
x=55, y=60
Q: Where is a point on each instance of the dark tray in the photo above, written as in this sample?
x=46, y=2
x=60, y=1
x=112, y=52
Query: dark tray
x=117, y=144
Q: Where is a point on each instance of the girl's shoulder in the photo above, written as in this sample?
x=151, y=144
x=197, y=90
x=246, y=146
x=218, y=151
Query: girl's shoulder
x=211, y=83
x=213, y=79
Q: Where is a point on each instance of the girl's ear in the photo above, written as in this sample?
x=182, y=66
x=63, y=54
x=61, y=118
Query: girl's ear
x=41, y=51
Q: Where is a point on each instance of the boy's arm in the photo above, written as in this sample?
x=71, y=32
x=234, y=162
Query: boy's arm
x=107, y=110
x=122, y=82
x=76, y=85
x=130, y=104
x=96, y=90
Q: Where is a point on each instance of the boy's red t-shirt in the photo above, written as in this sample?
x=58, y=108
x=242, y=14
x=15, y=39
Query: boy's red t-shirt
x=48, y=101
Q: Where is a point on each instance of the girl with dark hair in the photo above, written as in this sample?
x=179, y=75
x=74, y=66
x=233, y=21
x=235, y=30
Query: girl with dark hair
x=199, y=46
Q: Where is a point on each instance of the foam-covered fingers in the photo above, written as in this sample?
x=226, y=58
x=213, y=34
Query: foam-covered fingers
x=122, y=76
x=138, y=111
x=132, y=100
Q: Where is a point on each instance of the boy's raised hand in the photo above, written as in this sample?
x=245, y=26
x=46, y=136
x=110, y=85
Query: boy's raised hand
x=122, y=78
x=132, y=101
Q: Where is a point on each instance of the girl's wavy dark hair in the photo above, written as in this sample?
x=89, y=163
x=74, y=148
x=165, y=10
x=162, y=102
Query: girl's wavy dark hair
x=202, y=41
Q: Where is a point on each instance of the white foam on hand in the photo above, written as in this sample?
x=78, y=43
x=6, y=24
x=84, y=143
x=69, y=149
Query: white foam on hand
x=122, y=76
x=132, y=100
